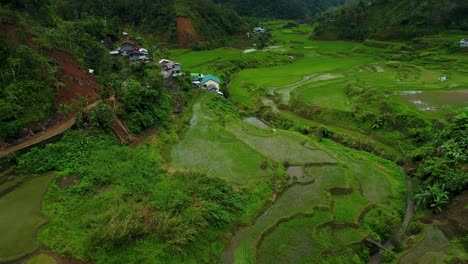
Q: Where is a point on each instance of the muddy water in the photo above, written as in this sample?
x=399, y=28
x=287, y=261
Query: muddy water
x=21, y=217
x=256, y=123
x=297, y=175
x=433, y=100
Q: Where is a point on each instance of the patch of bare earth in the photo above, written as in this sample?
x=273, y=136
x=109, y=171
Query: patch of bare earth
x=186, y=33
x=68, y=181
x=78, y=82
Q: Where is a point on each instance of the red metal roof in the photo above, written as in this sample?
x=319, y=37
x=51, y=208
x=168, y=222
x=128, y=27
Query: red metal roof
x=128, y=42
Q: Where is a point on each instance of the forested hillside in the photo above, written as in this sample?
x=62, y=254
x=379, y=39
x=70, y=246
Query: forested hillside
x=394, y=19
x=285, y=9
x=30, y=30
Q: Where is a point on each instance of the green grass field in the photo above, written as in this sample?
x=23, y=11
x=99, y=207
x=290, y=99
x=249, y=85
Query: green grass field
x=207, y=146
x=284, y=147
x=347, y=208
x=300, y=199
x=293, y=241
x=21, y=217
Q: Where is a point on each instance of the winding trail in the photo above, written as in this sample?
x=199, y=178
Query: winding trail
x=44, y=135
x=40, y=137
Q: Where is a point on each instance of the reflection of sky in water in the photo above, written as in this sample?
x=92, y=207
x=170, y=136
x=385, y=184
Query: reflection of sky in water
x=432, y=100
x=423, y=105
x=410, y=92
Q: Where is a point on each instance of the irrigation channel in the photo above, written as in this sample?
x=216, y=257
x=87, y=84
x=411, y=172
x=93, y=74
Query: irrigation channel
x=398, y=235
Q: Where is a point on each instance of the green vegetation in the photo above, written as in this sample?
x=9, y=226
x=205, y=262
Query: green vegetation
x=165, y=216
x=222, y=155
x=395, y=19
x=25, y=94
x=297, y=164
x=296, y=9
x=293, y=240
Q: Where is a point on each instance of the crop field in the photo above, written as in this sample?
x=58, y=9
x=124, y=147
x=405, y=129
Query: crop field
x=333, y=192
x=292, y=241
x=350, y=63
x=207, y=146
x=206, y=61
x=334, y=187
x=21, y=217
x=430, y=248
x=284, y=147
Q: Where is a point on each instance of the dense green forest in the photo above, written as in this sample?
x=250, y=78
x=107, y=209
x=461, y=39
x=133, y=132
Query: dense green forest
x=305, y=10
x=394, y=19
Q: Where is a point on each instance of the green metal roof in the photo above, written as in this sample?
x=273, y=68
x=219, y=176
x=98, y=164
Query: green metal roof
x=209, y=77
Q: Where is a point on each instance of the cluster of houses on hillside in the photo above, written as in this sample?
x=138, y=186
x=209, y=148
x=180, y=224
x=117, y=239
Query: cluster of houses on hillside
x=134, y=52
x=207, y=82
x=169, y=68
x=128, y=48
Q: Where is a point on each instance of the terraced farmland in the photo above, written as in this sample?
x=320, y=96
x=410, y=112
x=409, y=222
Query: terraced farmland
x=209, y=147
x=21, y=217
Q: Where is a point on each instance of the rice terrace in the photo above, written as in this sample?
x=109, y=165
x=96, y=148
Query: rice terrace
x=234, y=132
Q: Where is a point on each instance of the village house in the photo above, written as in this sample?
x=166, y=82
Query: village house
x=138, y=55
x=210, y=83
x=464, y=43
x=169, y=67
x=259, y=30
x=127, y=47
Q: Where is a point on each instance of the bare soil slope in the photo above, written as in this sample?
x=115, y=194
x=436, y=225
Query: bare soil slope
x=186, y=33
x=78, y=83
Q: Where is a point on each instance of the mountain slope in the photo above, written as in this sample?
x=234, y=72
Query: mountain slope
x=31, y=29
x=394, y=19
x=157, y=16
x=284, y=9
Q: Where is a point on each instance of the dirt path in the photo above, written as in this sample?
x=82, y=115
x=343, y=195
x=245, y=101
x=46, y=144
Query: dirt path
x=45, y=135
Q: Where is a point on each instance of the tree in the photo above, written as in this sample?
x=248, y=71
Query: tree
x=145, y=105
x=433, y=196
x=102, y=116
